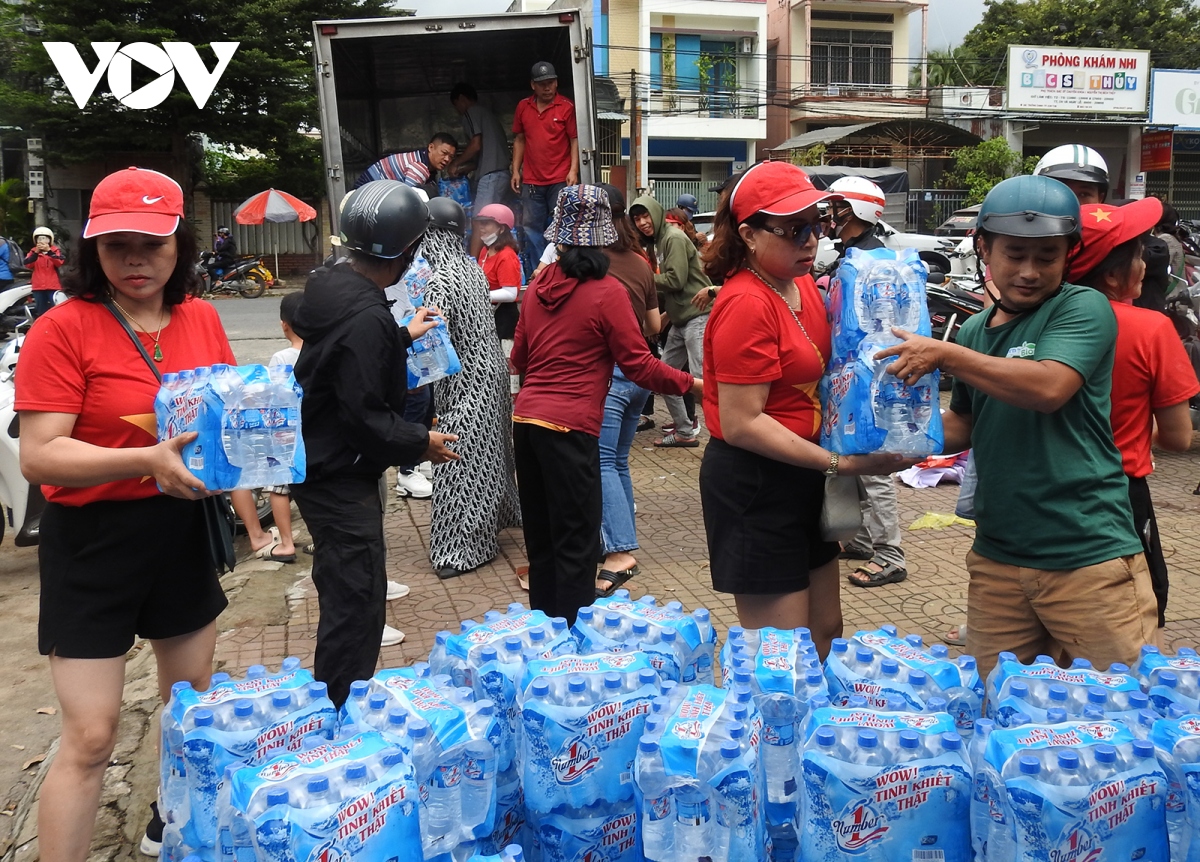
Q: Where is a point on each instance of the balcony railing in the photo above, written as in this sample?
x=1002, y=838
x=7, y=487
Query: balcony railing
x=741, y=104
x=873, y=92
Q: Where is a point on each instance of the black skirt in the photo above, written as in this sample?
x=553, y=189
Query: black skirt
x=762, y=520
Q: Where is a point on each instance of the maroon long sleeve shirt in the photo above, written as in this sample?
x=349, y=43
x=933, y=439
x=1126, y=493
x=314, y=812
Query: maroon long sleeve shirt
x=570, y=335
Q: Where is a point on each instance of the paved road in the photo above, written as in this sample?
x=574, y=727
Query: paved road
x=252, y=325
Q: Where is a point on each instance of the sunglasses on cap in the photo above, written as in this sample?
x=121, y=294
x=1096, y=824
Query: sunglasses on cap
x=798, y=234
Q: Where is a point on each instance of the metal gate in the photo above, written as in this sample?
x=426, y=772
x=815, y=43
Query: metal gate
x=928, y=208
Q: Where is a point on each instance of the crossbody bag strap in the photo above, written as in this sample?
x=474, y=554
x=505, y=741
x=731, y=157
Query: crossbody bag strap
x=137, y=342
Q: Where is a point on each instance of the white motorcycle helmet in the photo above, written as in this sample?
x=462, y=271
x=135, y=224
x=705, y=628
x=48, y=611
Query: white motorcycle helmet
x=864, y=197
x=1077, y=163
x=43, y=231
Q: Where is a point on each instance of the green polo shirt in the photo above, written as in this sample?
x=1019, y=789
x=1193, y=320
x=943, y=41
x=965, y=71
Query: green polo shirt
x=1052, y=493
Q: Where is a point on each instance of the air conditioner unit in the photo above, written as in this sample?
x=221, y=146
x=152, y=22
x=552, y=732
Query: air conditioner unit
x=746, y=45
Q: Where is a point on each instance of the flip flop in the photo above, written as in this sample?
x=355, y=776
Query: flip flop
x=280, y=558
x=309, y=548
x=523, y=577
x=957, y=636
x=267, y=550
x=614, y=580
x=889, y=574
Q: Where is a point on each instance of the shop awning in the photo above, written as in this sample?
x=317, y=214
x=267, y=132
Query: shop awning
x=822, y=136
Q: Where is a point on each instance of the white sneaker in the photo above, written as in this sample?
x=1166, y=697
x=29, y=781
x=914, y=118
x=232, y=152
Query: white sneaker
x=397, y=590
x=413, y=485
x=391, y=636
x=426, y=469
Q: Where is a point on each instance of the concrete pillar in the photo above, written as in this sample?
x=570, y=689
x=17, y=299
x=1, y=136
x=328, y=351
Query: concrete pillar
x=1133, y=157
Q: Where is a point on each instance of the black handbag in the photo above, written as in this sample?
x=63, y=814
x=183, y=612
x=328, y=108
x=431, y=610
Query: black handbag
x=218, y=514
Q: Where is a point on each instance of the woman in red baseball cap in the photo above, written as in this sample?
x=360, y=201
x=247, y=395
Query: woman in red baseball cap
x=119, y=559
x=762, y=482
x=1152, y=377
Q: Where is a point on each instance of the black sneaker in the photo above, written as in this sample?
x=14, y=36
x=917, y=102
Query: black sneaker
x=152, y=840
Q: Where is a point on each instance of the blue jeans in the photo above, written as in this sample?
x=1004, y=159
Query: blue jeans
x=43, y=301
x=418, y=409
x=492, y=188
x=622, y=411
x=537, y=205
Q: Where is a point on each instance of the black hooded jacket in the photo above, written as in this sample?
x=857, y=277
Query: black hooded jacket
x=353, y=371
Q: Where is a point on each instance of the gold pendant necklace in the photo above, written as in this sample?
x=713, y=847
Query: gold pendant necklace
x=158, y=355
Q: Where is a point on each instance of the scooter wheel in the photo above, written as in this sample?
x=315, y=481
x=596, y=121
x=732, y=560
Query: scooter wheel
x=252, y=286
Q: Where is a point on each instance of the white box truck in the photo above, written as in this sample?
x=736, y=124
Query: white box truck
x=384, y=83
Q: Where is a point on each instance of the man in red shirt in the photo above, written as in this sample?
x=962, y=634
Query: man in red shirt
x=545, y=151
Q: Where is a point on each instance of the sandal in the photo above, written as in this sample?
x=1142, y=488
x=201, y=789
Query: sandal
x=614, y=580
x=888, y=574
x=957, y=636
x=279, y=558
x=523, y=577
x=645, y=424
x=309, y=548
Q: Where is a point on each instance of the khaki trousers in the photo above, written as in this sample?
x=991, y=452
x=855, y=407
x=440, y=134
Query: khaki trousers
x=1104, y=613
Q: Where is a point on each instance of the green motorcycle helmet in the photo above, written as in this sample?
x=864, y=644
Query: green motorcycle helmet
x=1030, y=206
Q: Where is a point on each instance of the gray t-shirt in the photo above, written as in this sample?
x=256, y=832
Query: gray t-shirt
x=494, y=156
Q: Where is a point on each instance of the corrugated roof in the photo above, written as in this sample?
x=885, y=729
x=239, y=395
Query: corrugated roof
x=823, y=136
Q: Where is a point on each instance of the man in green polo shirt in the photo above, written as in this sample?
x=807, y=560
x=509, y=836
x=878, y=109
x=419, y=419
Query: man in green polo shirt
x=1056, y=567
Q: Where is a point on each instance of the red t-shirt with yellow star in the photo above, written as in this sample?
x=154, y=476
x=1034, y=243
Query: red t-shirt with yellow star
x=751, y=337
x=78, y=359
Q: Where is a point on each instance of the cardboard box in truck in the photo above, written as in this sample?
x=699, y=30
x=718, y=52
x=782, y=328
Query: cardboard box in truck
x=384, y=83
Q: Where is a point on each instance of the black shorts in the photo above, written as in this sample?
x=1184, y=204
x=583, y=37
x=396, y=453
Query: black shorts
x=1147, y=530
x=114, y=570
x=762, y=519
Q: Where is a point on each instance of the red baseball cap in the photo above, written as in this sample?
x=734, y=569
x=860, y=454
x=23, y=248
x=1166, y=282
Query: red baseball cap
x=774, y=188
x=135, y=199
x=1105, y=227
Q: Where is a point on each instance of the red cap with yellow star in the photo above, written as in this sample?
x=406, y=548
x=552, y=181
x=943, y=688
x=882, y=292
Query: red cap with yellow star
x=1105, y=227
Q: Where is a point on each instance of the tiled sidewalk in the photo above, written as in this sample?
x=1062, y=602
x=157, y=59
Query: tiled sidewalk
x=673, y=561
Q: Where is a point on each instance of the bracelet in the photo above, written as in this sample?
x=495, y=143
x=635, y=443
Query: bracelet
x=832, y=469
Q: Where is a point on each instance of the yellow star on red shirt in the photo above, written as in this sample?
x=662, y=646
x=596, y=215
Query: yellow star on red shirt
x=1101, y=215
x=147, y=423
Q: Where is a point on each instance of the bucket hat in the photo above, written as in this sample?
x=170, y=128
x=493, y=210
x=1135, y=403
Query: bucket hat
x=582, y=216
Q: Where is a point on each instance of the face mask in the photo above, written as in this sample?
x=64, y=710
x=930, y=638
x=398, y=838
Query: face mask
x=489, y=238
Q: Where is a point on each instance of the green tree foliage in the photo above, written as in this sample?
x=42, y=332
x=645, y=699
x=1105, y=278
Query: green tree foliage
x=265, y=95
x=230, y=178
x=1166, y=28
x=15, y=220
x=956, y=67
x=980, y=167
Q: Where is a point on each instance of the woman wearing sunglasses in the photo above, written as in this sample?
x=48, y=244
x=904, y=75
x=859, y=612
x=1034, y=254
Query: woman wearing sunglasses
x=762, y=481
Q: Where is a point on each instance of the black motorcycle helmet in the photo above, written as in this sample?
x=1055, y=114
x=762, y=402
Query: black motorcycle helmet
x=383, y=219
x=223, y=231
x=448, y=215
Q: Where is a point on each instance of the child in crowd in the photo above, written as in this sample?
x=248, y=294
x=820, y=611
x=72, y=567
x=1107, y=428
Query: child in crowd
x=281, y=502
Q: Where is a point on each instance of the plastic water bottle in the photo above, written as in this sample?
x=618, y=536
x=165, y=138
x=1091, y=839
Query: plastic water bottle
x=274, y=839
x=868, y=751
x=356, y=781
x=243, y=717
x=694, y=832
x=479, y=770
x=991, y=684
x=317, y=794
x=780, y=753
x=440, y=799
x=577, y=693
x=658, y=814
x=980, y=792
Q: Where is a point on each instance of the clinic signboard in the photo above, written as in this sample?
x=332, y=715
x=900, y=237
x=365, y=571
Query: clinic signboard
x=1077, y=80
x=1156, y=151
x=1175, y=98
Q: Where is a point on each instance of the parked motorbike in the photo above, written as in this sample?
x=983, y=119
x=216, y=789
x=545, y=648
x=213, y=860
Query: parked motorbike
x=951, y=303
x=16, y=309
x=22, y=503
x=249, y=277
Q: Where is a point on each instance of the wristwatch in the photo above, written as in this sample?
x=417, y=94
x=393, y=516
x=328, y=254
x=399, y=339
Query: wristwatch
x=712, y=293
x=832, y=469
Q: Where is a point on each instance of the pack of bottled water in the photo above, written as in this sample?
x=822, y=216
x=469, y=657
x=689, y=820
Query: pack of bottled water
x=354, y=798
x=1071, y=792
x=1177, y=744
x=581, y=719
x=518, y=635
x=511, y=853
x=864, y=407
x=699, y=777
x=247, y=418
x=235, y=723
x=679, y=645
x=1040, y=689
x=431, y=356
x=891, y=786
x=899, y=674
x=1170, y=680
x=782, y=669
x=452, y=740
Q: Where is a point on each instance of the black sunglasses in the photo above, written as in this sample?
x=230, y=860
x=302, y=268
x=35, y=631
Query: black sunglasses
x=798, y=234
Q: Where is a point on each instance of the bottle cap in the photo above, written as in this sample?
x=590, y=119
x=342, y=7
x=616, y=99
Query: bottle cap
x=741, y=676
x=441, y=637
x=1068, y=759
x=677, y=607
x=1081, y=664
x=730, y=749
x=648, y=600
x=576, y=683
x=492, y=616
x=640, y=627
x=318, y=784
x=1097, y=695
x=317, y=690
x=466, y=625
x=1147, y=717
x=826, y=737
x=559, y=624
x=1138, y=700
x=1106, y=753
x=890, y=629
x=1149, y=649
x=648, y=745
x=802, y=634
x=621, y=595
x=1029, y=765
x=1006, y=656
x=356, y=771
x=889, y=667
x=1019, y=718
x=839, y=645
x=668, y=636
x=392, y=756
x=487, y=654
x=917, y=678
x=1176, y=710
x=1091, y=712
x=541, y=687
x=743, y=693
x=1018, y=689
x=515, y=607
x=377, y=702
x=1186, y=650
x=910, y=739
x=647, y=676
x=397, y=718
x=585, y=614
x=1056, y=715
x=1118, y=667
x=856, y=701
x=255, y=671
x=818, y=701
x=281, y=700
x=813, y=677
x=512, y=644
x=894, y=703
x=421, y=668
x=1058, y=693
x=736, y=730
x=612, y=620
x=243, y=708
x=202, y=718
x=486, y=707
x=967, y=662
x=1044, y=659
x=514, y=853
x=612, y=681
x=939, y=651
x=915, y=640
x=359, y=688
x=984, y=725
x=864, y=655
x=936, y=704
x=537, y=635
x=419, y=729
x=951, y=741
x=666, y=685
x=736, y=633
x=278, y=796
x=219, y=677
x=182, y=685
x=1143, y=748
x=868, y=738
x=1168, y=679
